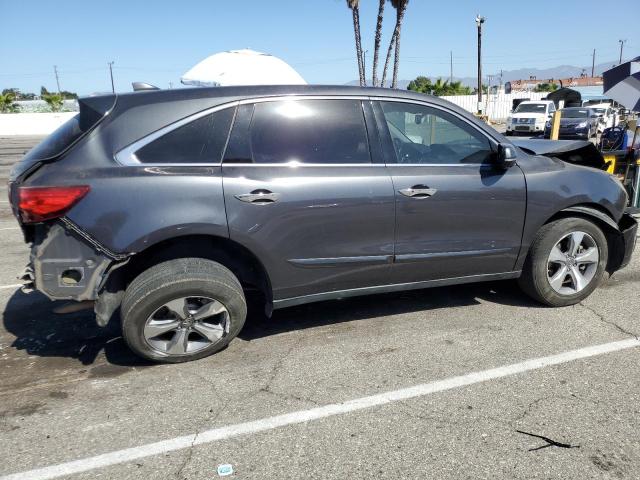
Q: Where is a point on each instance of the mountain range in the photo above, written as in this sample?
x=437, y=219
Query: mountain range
x=561, y=71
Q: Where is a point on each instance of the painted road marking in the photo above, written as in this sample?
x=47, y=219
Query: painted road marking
x=301, y=416
x=15, y=285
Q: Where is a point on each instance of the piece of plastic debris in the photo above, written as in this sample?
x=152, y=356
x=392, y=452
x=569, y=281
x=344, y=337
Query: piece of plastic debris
x=224, y=470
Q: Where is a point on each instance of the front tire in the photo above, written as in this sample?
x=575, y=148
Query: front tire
x=182, y=310
x=566, y=262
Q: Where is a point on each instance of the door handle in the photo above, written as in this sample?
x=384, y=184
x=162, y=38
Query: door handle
x=418, y=191
x=259, y=197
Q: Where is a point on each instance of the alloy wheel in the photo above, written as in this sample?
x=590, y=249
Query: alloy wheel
x=186, y=325
x=573, y=263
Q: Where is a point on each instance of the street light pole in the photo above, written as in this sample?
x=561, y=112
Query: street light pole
x=479, y=21
x=113, y=88
x=621, y=45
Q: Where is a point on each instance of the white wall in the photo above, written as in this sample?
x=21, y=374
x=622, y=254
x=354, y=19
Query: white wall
x=32, y=123
x=497, y=107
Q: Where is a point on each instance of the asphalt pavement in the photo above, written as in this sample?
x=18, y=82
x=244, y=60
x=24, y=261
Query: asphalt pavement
x=466, y=382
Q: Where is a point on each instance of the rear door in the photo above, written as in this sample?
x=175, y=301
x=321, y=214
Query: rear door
x=457, y=213
x=304, y=195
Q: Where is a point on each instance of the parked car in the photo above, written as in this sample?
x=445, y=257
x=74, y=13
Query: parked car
x=530, y=117
x=607, y=116
x=576, y=122
x=172, y=208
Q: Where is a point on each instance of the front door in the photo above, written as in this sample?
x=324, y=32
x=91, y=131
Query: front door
x=303, y=195
x=457, y=213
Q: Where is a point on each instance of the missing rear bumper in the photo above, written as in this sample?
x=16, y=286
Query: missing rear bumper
x=65, y=266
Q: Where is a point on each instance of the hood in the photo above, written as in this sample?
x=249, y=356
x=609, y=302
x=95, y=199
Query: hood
x=572, y=121
x=527, y=114
x=579, y=152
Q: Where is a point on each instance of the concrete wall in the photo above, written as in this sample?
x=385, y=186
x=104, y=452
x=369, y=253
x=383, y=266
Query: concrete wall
x=497, y=106
x=32, y=123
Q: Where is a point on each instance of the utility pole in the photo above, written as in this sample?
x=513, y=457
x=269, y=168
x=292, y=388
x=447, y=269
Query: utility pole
x=55, y=70
x=113, y=88
x=622, y=42
x=479, y=21
x=593, y=63
x=451, y=66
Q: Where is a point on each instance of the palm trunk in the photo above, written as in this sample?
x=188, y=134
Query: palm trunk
x=386, y=63
x=356, y=32
x=396, y=62
x=378, y=39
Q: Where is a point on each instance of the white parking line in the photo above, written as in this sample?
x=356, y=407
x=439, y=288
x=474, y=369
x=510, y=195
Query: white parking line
x=15, y=285
x=301, y=416
x=10, y=228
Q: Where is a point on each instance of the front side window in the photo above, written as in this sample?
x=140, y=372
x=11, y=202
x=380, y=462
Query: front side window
x=423, y=135
x=309, y=131
x=199, y=141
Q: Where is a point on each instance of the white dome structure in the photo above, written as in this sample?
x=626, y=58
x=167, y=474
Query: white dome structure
x=241, y=67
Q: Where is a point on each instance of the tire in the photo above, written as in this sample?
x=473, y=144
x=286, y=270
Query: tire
x=507, y=133
x=201, y=300
x=542, y=275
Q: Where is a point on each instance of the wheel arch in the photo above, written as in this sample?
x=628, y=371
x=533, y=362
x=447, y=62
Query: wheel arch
x=588, y=211
x=251, y=273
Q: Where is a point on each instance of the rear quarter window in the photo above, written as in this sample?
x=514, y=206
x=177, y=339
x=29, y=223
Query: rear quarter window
x=199, y=141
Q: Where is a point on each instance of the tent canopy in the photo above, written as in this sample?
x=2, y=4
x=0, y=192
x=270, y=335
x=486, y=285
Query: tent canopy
x=622, y=84
x=241, y=67
x=571, y=97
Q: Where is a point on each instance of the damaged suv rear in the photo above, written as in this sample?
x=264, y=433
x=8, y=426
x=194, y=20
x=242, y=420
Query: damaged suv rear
x=171, y=209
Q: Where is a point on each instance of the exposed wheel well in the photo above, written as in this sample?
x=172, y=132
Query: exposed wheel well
x=244, y=265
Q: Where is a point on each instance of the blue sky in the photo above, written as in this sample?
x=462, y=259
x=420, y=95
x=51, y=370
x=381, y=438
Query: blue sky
x=156, y=41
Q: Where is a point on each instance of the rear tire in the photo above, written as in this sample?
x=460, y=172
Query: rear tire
x=566, y=262
x=182, y=310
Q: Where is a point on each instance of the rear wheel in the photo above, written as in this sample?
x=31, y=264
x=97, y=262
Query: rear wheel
x=182, y=310
x=566, y=262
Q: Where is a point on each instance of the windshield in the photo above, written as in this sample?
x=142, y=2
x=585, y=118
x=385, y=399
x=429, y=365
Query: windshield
x=599, y=110
x=575, y=113
x=531, y=108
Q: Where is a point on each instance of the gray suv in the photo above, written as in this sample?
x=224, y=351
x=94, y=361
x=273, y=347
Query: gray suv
x=171, y=208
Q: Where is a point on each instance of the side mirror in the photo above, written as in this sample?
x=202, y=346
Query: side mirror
x=507, y=155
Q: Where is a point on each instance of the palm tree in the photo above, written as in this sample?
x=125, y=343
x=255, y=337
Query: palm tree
x=354, y=5
x=55, y=101
x=7, y=102
x=401, y=8
x=378, y=39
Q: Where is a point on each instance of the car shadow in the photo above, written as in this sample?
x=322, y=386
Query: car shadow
x=373, y=306
x=40, y=332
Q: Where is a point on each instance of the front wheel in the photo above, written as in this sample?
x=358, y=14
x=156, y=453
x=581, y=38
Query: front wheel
x=182, y=310
x=566, y=262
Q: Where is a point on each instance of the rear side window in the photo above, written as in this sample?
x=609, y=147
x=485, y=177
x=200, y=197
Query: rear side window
x=305, y=131
x=199, y=141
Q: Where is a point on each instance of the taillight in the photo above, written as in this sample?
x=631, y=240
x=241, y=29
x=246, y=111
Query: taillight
x=37, y=204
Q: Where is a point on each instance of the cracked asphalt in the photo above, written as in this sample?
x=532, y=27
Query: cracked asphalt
x=70, y=390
